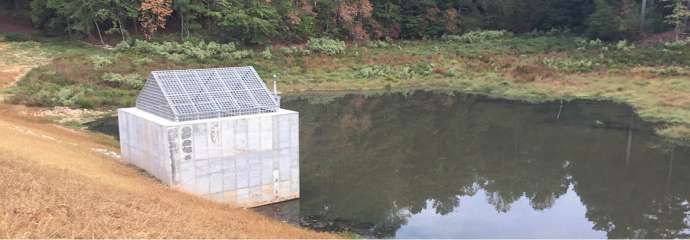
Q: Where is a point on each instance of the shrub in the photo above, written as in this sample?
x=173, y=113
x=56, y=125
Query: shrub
x=402, y=72
x=237, y=55
x=122, y=46
x=143, y=61
x=17, y=37
x=670, y=71
x=326, y=46
x=479, y=36
x=130, y=80
x=186, y=50
x=624, y=45
x=70, y=96
x=583, y=44
x=100, y=61
x=423, y=68
x=405, y=72
x=557, y=31
x=373, y=71
x=377, y=44
x=452, y=37
x=295, y=51
x=446, y=72
x=677, y=45
x=570, y=65
x=175, y=57
x=266, y=53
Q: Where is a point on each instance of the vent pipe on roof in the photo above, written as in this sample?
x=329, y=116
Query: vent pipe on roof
x=276, y=95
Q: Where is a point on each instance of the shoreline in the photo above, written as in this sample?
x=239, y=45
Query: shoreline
x=677, y=132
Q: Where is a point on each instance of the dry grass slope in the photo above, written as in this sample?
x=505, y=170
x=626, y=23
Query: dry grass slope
x=54, y=185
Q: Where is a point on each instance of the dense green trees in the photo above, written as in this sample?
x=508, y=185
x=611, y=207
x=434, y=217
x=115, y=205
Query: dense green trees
x=259, y=21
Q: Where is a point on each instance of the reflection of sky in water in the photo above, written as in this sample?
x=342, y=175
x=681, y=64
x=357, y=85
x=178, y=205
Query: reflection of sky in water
x=476, y=218
x=687, y=218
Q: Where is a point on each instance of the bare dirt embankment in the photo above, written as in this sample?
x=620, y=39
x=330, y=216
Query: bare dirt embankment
x=57, y=182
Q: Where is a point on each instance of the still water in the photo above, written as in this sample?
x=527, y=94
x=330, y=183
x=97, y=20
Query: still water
x=437, y=165
x=432, y=165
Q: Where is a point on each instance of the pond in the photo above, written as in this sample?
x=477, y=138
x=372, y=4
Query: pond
x=430, y=165
x=438, y=165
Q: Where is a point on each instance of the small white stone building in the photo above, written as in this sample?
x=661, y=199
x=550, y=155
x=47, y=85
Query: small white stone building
x=219, y=133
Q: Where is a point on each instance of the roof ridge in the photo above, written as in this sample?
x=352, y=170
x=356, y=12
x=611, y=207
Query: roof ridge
x=193, y=94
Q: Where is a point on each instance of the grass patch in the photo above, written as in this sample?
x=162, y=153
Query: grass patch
x=679, y=132
x=537, y=67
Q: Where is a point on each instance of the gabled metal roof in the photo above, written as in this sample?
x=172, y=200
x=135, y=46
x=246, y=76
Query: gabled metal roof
x=183, y=95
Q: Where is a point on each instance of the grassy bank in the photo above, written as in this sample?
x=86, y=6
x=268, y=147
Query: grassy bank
x=654, y=79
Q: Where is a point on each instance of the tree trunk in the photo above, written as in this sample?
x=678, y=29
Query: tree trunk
x=136, y=27
x=208, y=19
x=677, y=31
x=122, y=30
x=685, y=21
x=98, y=29
x=642, y=17
x=69, y=30
x=181, y=26
x=118, y=18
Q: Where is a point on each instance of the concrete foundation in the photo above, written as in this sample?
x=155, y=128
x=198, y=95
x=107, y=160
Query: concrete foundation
x=247, y=160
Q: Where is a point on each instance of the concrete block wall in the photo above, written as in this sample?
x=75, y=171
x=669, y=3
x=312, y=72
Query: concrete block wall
x=245, y=160
x=139, y=145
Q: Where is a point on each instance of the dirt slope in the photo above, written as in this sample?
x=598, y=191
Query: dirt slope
x=55, y=182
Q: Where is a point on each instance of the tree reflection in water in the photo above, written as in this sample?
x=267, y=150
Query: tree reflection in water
x=370, y=163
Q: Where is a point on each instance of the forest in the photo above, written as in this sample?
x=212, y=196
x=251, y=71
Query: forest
x=264, y=21
x=96, y=54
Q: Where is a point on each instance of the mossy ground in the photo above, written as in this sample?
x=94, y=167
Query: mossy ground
x=654, y=79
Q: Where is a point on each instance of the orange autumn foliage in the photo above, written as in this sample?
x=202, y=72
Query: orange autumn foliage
x=153, y=15
x=353, y=16
x=451, y=20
